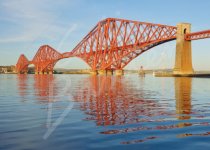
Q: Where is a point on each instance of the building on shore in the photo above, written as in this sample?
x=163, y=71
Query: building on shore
x=7, y=69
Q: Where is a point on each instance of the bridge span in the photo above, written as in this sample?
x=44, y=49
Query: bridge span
x=113, y=43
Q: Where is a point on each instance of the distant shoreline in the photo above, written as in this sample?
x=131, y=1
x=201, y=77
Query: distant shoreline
x=88, y=71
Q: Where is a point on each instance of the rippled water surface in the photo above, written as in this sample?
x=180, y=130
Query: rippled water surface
x=104, y=112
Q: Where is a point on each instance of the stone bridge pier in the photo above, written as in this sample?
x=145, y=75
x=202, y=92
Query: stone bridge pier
x=183, y=60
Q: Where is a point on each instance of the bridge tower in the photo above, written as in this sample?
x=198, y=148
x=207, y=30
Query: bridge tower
x=183, y=61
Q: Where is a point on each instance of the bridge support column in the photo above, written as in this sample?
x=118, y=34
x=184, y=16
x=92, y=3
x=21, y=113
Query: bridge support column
x=45, y=72
x=109, y=72
x=36, y=72
x=50, y=72
x=183, y=62
x=40, y=72
x=119, y=72
x=93, y=72
x=102, y=72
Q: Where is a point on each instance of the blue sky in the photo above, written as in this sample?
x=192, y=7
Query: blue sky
x=25, y=25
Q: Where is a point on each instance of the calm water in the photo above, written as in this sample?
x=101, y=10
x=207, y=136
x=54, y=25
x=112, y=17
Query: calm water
x=99, y=112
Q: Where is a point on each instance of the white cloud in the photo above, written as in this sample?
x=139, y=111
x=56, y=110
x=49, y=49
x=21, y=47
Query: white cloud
x=23, y=9
x=32, y=20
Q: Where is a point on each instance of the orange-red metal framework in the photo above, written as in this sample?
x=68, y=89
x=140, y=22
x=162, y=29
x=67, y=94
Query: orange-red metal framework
x=45, y=59
x=22, y=64
x=113, y=43
x=198, y=35
x=110, y=45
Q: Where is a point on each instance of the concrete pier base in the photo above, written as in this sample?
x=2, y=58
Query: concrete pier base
x=45, y=72
x=119, y=72
x=109, y=72
x=171, y=74
x=102, y=72
x=50, y=72
x=36, y=72
x=40, y=72
x=93, y=72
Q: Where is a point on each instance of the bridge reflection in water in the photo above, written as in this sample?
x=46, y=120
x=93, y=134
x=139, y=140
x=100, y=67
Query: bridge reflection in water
x=22, y=85
x=109, y=100
x=114, y=100
x=44, y=87
x=183, y=87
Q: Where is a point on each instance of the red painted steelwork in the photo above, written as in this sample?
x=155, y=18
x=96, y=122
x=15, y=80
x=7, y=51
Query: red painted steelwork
x=113, y=43
x=110, y=45
x=198, y=35
x=22, y=64
x=45, y=59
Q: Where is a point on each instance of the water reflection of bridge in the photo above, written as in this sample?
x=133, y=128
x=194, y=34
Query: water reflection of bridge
x=114, y=100
x=111, y=100
x=42, y=86
x=183, y=87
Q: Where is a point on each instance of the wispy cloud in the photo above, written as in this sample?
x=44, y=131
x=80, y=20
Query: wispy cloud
x=32, y=20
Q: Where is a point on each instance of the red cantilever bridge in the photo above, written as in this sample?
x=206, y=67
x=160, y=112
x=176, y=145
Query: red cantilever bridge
x=113, y=43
